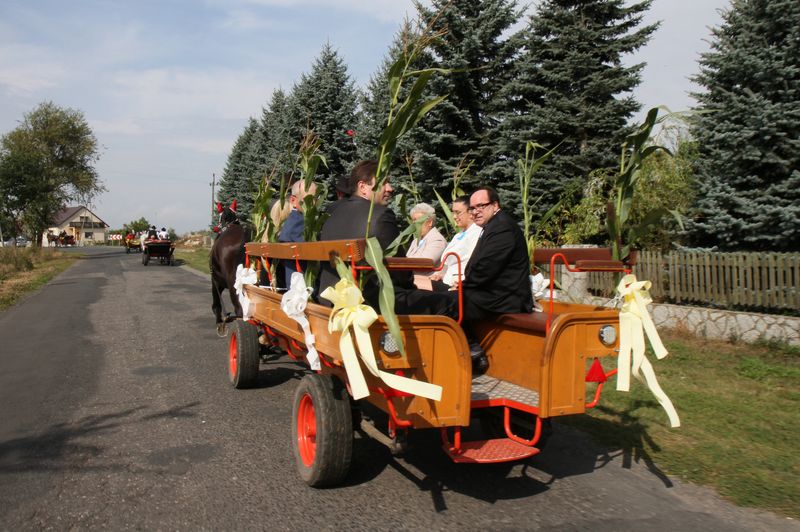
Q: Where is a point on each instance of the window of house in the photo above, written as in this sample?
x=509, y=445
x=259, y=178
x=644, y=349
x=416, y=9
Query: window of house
x=89, y=236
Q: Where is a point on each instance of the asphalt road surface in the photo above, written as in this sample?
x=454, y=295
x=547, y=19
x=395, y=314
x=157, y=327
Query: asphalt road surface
x=116, y=413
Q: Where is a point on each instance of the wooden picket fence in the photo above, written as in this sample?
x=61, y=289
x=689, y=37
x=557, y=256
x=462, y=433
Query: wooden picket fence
x=727, y=280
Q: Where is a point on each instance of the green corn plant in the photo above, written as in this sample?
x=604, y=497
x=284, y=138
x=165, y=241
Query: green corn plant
x=526, y=168
x=403, y=115
x=308, y=161
x=462, y=170
x=636, y=148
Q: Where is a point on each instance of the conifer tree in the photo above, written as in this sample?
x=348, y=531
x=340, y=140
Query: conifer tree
x=475, y=48
x=325, y=101
x=239, y=178
x=569, y=85
x=749, y=133
x=280, y=148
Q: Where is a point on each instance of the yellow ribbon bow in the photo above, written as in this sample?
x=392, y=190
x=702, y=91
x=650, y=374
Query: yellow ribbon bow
x=349, y=310
x=634, y=323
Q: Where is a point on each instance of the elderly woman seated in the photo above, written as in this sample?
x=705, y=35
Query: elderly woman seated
x=429, y=243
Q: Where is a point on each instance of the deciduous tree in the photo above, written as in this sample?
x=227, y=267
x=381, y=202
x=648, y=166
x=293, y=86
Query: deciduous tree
x=46, y=162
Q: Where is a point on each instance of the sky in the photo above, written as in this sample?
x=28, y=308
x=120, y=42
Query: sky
x=167, y=86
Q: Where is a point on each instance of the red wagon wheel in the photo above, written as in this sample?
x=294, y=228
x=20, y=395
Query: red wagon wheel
x=243, y=355
x=322, y=430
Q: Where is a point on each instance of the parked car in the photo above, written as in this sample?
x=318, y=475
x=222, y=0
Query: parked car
x=21, y=242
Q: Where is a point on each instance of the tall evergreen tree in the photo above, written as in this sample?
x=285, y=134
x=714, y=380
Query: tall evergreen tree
x=280, y=148
x=749, y=138
x=325, y=100
x=239, y=178
x=477, y=51
x=570, y=85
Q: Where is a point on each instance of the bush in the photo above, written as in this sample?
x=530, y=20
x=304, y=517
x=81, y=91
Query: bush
x=14, y=260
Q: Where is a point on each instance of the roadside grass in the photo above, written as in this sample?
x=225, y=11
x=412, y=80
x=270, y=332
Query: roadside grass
x=196, y=258
x=23, y=270
x=740, y=420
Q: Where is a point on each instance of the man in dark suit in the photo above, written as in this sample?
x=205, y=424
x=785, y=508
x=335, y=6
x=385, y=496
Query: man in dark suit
x=497, y=276
x=349, y=220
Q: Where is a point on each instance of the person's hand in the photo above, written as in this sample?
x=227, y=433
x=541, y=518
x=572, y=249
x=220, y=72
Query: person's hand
x=437, y=276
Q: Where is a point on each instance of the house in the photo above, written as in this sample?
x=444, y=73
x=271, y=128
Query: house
x=79, y=222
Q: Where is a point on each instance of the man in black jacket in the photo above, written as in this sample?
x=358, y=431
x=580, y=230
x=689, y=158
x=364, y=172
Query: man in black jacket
x=497, y=276
x=349, y=220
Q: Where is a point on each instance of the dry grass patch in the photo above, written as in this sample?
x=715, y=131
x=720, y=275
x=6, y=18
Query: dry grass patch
x=23, y=270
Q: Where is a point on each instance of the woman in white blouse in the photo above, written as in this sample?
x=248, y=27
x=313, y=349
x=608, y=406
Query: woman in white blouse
x=462, y=244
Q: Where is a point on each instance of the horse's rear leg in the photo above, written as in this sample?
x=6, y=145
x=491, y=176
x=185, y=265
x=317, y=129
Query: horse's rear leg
x=216, y=308
x=237, y=307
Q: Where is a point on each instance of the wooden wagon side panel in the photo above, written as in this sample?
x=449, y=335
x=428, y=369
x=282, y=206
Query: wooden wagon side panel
x=573, y=340
x=437, y=352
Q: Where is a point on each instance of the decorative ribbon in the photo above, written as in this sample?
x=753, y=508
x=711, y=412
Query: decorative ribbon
x=245, y=276
x=349, y=310
x=634, y=323
x=540, y=287
x=293, y=303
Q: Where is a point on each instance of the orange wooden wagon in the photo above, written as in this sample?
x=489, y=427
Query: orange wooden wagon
x=537, y=371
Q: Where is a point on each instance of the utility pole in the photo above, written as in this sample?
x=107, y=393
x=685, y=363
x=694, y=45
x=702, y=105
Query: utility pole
x=213, y=206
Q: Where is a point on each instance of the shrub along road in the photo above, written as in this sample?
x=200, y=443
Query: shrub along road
x=116, y=413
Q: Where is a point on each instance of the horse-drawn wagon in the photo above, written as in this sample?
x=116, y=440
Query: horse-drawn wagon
x=537, y=371
x=163, y=250
x=132, y=244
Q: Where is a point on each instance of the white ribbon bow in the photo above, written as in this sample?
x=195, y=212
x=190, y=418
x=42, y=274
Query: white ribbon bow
x=245, y=276
x=540, y=287
x=293, y=303
x=349, y=310
x=634, y=323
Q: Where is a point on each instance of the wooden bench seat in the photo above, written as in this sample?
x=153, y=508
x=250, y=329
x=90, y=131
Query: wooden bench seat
x=535, y=321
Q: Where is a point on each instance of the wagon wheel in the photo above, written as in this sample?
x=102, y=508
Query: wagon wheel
x=243, y=356
x=322, y=430
x=145, y=258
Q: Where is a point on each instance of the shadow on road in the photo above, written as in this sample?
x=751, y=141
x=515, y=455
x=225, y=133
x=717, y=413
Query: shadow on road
x=60, y=447
x=625, y=437
x=569, y=452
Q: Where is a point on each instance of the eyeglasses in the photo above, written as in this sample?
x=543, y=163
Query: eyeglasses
x=479, y=207
x=456, y=214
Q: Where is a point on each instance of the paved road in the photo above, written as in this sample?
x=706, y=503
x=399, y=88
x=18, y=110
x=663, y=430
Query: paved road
x=115, y=413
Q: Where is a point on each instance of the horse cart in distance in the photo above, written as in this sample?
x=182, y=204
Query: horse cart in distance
x=132, y=245
x=163, y=250
x=537, y=371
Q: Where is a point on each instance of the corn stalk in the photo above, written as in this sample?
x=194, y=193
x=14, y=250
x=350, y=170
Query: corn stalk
x=526, y=168
x=635, y=150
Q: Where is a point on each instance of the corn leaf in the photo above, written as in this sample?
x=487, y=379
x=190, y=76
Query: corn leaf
x=374, y=256
x=447, y=212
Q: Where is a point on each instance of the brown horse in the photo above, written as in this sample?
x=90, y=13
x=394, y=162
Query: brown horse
x=52, y=239
x=226, y=254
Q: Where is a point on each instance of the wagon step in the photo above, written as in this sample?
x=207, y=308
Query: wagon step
x=490, y=451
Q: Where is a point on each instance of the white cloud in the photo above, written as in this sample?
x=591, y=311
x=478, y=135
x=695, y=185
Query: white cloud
x=381, y=10
x=25, y=69
x=160, y=94
x=247, y=20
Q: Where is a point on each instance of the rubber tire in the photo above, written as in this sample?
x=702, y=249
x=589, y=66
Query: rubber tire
x=332, y=451
x=243, y=355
